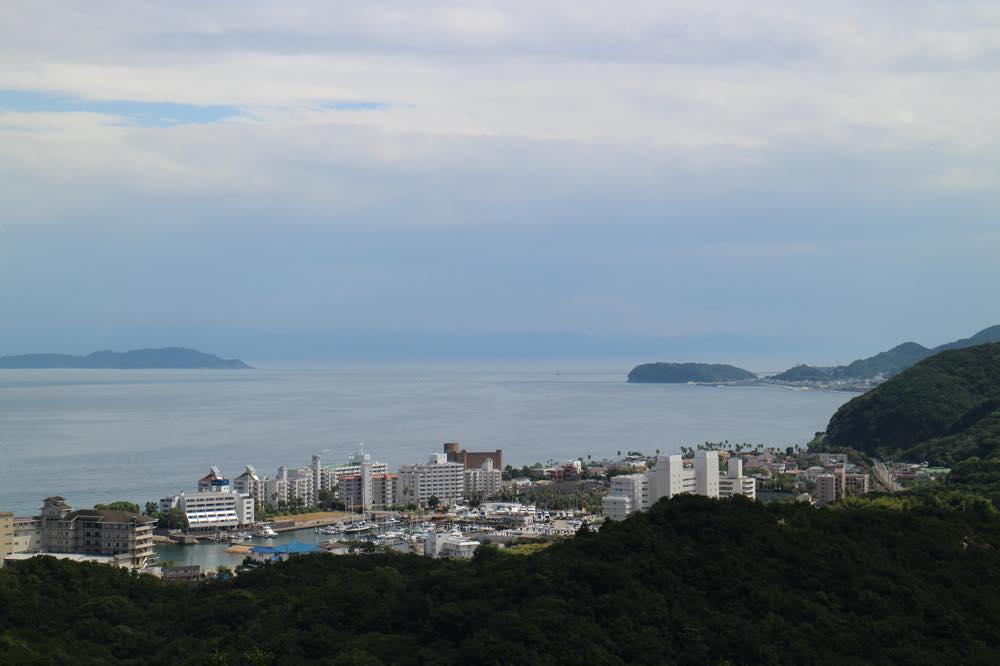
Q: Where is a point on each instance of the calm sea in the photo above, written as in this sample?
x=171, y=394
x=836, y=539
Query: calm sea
x=97, y=436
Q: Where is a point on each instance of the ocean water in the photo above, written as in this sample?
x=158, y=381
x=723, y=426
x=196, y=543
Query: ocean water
x=98, y=436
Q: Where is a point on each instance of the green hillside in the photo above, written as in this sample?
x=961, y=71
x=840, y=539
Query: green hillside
x=889, y=362
x=694, y=581
x=943, y=409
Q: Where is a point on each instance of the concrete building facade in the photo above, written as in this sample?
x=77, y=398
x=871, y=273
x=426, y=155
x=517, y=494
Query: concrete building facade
x=483, y=482
x=27, y=535
x=126, y=536
x=250, y=484
x=216, y=505
x=6, y=534
x=435, y=478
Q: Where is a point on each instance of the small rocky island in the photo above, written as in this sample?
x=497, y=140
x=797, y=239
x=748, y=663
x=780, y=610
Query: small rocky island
x=681, y=373
x=172, y=358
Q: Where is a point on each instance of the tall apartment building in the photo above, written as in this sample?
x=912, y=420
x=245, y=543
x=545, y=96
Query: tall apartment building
x=629, y=492
x=368, y=491
x=472, y=459
x=27, y=535
x=332, y=474
x=836, y=483
x=276, y=489
x=826, y=489
x=671, y=477
x=734, y=483
x=300, y=486
x=317, y=484
x=250, y=484
x=483, y=482
x=6, y=534
x=435, y=478
x=706, y=473
x=127, y=536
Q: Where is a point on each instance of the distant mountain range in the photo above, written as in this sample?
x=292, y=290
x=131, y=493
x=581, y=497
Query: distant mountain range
x=177, y=358
x=887, y=363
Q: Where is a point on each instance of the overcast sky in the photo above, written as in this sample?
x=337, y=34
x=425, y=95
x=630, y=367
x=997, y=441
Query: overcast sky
x=763, y=182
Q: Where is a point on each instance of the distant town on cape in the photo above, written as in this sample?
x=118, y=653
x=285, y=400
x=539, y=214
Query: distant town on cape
x=859, y=375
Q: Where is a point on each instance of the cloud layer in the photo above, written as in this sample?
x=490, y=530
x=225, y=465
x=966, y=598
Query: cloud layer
x=779, y=172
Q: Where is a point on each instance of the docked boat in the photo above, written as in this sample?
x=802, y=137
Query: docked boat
x=266, y=532
x=358, y=527
x=328, y=529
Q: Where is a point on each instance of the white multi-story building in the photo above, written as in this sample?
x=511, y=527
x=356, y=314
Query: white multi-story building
x=250, y=484
x=734, y=483
x=826, y=489
x=670, y=478
x=616, y=507
x=215, y=506
x=483, y=482
x=27, y=535
x=6, y=534
x=634, y=492
x=125, y=536
x=368, y=491
x=706, y=473
x=276, y=489
x=634, y=488
x=299, y=486
x=332, y=474
x=435, y=478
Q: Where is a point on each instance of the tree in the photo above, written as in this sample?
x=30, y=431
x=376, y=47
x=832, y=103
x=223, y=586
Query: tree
x=433, y=501
x=175, y=519
x=120, y=505
x=151, y=509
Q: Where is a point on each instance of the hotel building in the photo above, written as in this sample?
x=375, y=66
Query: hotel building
x=435, y=478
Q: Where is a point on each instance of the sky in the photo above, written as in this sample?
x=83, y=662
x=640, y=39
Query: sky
x=765, y=183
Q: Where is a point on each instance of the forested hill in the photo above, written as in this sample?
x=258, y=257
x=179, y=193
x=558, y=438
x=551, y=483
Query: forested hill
x=688, y=372
x=166, y=358
x=694, y=580
x=944, y=409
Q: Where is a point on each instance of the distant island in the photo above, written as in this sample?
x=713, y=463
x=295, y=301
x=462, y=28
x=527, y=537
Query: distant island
x=680, y=373
x=172, y=358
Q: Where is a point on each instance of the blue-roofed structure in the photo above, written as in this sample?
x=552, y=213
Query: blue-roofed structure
x=284, y=551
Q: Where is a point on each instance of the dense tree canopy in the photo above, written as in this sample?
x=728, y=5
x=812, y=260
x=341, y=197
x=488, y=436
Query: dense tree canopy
x=693, y=580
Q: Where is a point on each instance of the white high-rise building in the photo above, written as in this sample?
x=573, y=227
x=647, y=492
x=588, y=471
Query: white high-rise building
x=670, y=478
x=483, y=482
x=248, y=483
x=331, y=475
x=215, y=506
x=734, y=483
x=317, y=484
x=706, y=473
x=634, y=492
x=435, y=478
x=634, y=488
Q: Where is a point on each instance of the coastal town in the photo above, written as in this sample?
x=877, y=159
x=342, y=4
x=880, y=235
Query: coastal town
x=447, y=506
